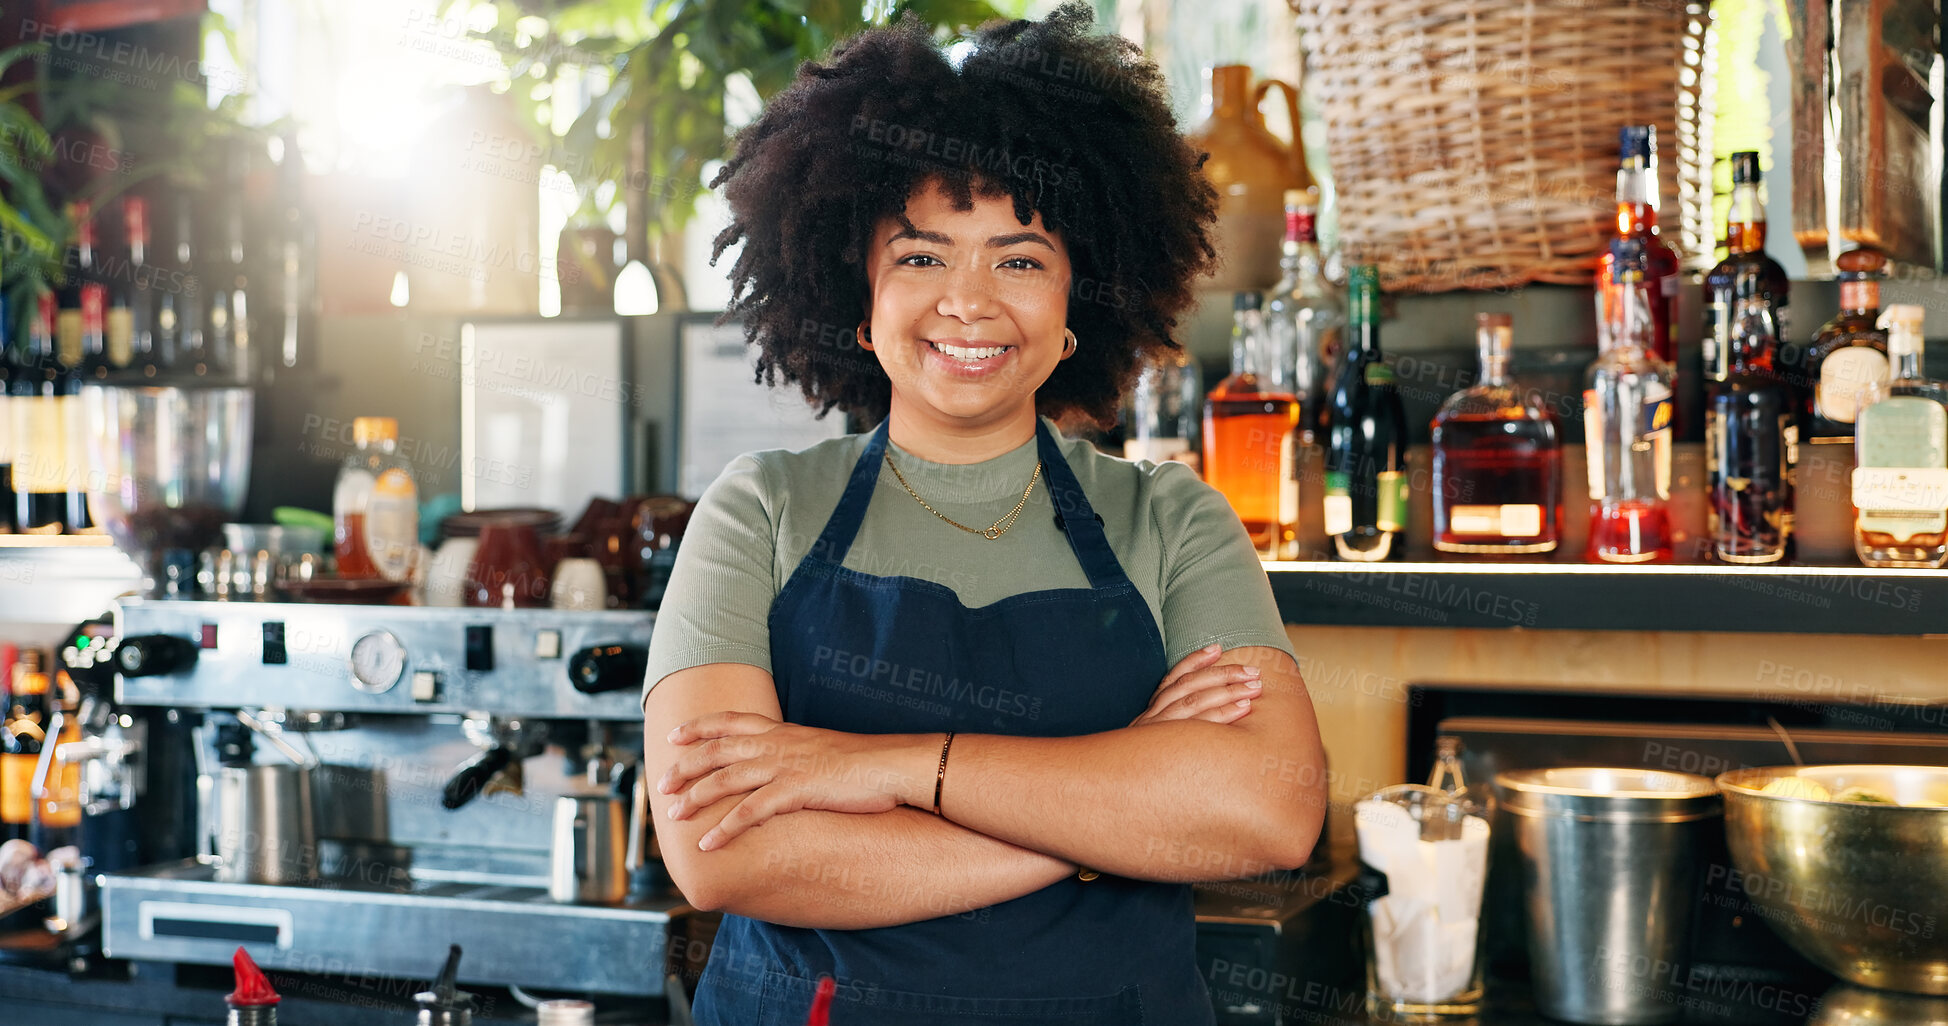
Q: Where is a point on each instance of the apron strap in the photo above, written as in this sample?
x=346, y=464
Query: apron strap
x=836, y=540
x=1078, y=519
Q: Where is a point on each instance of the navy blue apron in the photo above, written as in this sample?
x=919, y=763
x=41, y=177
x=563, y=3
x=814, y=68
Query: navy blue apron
x=867, y=654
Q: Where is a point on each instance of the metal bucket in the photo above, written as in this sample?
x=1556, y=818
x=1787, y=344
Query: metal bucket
x=1610, y=876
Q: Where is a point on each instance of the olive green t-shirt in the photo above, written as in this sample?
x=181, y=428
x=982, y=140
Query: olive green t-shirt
x=1174, y=535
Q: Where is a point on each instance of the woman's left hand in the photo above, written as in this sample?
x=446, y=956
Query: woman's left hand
x=783, y=767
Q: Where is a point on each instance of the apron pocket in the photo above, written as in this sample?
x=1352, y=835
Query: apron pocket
x=787, y=1001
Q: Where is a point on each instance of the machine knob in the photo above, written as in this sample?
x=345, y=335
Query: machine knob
x=602, y=668
x=152, y=655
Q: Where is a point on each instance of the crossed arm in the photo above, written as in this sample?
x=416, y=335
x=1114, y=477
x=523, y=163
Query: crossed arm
x=817, y=828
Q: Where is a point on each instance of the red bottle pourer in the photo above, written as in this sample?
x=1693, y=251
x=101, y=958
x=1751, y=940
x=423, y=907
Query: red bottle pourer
x=822, y=1002
x=253, y=1003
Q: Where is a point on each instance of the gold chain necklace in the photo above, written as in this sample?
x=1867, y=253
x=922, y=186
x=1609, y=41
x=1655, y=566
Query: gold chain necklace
x=1000, y=526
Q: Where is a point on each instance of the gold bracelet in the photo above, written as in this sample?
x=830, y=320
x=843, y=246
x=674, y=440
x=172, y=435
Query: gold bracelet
x=940, y=780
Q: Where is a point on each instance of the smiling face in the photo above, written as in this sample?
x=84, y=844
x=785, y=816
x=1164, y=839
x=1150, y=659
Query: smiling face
x=968, y=310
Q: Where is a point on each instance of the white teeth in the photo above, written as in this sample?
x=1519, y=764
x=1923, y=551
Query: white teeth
x=969, y=355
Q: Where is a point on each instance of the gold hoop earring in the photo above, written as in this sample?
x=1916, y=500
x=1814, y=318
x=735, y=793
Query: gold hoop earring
x=863, y=335
x=1069, y=337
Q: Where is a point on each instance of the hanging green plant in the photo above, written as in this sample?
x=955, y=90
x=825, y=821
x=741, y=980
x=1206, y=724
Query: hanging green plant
x=671, y=65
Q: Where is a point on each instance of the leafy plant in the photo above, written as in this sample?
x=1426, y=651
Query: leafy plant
x=97, y=138
x=673, y=63
x=28, y=221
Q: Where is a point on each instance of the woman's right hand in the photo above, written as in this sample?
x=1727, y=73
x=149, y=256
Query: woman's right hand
x=1199, y=689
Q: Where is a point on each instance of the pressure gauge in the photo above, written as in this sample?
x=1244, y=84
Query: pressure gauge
x=378, y=661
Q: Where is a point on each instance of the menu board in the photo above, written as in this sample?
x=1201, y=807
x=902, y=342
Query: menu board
x=722, y=413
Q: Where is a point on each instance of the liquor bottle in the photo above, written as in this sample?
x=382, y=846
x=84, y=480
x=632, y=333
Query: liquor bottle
x=1366, y=445
x=375, y=506
x=1900, y=483
x=1167, y=412
x=1497, y=459
x=144, y=291
x=113, y=267
x=1751, y=446
x=1627, y=426
x=41, y=398
x=1746, y=272
x=226, y=306
x=1849, y=353
x=179, y=317
x=1637, y=219
x=1306, y=318
x=80, y=326
x=21, y=738
x=1250, y=445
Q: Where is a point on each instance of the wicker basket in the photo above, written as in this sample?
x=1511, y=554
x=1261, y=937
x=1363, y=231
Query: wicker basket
x=1473, y=143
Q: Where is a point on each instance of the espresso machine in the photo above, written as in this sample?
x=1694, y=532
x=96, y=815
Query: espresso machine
x=370, y=782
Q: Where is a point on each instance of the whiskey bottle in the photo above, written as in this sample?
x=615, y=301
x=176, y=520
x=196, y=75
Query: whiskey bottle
x=1900, y=483
x=1305, y=317
x=1250, y=447
x=1745, y=273
x=1497, y=460
x=1637, y=219
x=1627, y=424
x=1848, y=354
x=1751, y=447
x=1366, y=445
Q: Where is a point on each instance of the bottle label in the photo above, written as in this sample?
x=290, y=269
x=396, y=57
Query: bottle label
x=1378, y=374
x=1901, y=501
x=1716, y=342
x=94, y=305
x=1338, y=502
x=1392, y=485
x=1513, y=520
x=1288, y=480
x=41, y=445
x=1655, y=431
x=392, y=524
x=74, y=427
x=136, y=210
x=67, y=336
x=118, y=331
x=1841, y=377
x=1593, y=443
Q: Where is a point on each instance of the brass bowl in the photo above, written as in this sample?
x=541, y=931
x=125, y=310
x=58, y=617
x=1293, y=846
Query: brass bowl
x=1859, y=888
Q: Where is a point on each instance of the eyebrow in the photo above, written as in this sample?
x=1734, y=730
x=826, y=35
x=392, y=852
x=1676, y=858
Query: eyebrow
x=995, y=242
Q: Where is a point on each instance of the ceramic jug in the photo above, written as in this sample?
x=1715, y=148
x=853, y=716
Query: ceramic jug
x=1251, y=169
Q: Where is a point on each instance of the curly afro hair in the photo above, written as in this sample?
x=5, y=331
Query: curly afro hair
x=1072, y=125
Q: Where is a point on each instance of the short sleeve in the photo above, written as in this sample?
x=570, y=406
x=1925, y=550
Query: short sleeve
x=717, y=605
x=1214, y=588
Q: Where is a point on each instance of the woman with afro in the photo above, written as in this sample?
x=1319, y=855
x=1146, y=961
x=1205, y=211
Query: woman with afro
x=954, y=710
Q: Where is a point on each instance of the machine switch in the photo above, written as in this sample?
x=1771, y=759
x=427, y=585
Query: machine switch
x=274, y=654
x=480, y=648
